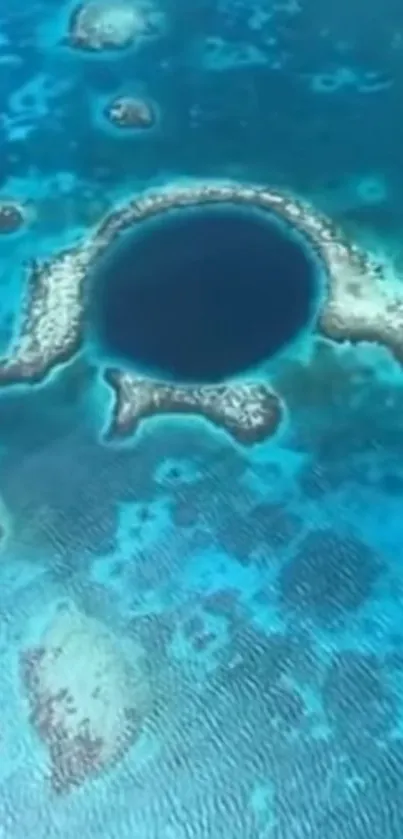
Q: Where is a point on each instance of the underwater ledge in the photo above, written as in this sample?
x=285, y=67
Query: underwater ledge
x=357, y=305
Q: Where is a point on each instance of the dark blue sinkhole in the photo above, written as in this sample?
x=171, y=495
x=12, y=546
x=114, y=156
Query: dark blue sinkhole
x=203, y=295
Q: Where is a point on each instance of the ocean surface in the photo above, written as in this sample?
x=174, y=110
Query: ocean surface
x=257, y=591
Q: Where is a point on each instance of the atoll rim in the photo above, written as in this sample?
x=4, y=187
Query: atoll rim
x=249, y=412
x=355, y=303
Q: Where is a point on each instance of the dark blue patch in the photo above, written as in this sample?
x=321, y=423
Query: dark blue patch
x=205, y=295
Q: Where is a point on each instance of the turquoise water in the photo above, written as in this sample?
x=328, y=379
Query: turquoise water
x=254, y=592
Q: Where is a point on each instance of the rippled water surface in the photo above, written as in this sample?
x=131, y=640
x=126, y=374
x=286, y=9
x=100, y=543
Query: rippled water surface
x=201, y=636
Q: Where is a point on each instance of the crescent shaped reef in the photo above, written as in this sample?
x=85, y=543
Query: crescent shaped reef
x=358, y=304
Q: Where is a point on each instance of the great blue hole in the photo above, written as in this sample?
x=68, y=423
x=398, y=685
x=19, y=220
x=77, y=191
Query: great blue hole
x=204, y=295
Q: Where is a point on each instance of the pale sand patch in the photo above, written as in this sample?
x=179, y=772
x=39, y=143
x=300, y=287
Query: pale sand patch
x=87, y=701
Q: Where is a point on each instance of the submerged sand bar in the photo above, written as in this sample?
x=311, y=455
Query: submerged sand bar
x=359, y=303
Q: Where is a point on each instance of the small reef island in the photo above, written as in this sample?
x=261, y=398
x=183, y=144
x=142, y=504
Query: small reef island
x=127, y=112
x=99, y=25
x=355, y=304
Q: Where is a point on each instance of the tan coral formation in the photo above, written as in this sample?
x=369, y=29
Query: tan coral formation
x=249, y=412
x=362, y=304
x=130, y=112
x=87, y=701
x=358, y=302
x=51, y=319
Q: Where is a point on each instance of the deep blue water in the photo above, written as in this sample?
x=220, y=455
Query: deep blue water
x=264, y=585
x=206, y=295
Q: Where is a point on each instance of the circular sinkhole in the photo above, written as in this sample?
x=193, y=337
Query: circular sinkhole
x=205, y=294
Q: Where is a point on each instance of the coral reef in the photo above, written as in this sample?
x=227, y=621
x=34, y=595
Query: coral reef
x=260, y=678
x=87, y=702
x=256, y=536
x=331, y=575
x=51, y=318
x=358, y=303
x=130, y=112
x=249, y=412
x=104, y=25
